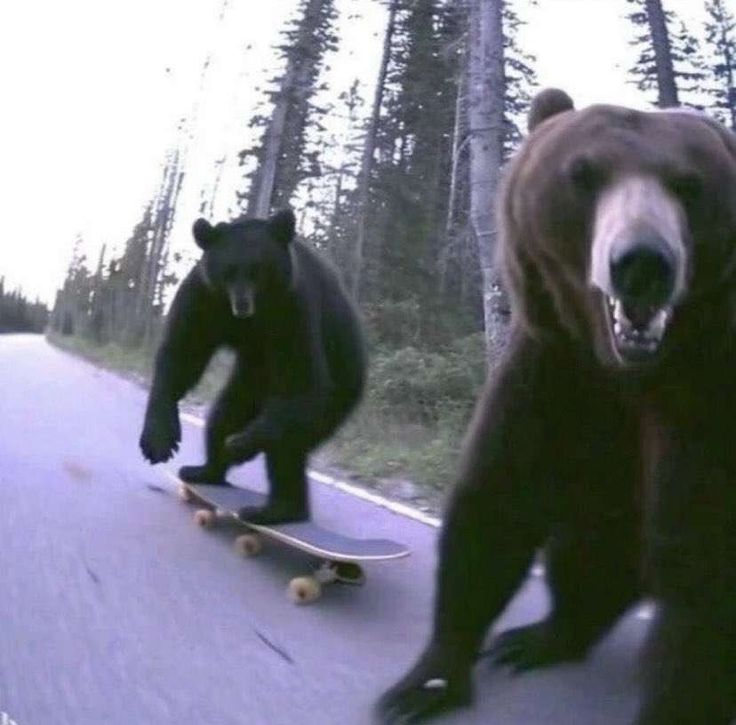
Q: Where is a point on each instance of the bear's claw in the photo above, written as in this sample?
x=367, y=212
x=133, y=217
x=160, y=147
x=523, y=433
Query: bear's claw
x=537, y=645
x=426, y=691
x=160, y=438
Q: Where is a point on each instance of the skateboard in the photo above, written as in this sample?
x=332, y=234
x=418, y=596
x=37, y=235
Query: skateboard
x=340, y=556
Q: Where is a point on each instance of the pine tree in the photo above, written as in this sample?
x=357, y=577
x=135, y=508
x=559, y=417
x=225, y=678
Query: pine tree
x=459, y=262
x=333, y=206
x=669, y=60
x=148, y=290
x=123, y=299
x=17, y=314
x=72, y=307
x=403, y=208
x=369, y=149
x=721, y=44
x=281, y=159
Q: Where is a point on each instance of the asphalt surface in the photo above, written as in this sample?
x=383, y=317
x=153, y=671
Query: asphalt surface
x=115, y=608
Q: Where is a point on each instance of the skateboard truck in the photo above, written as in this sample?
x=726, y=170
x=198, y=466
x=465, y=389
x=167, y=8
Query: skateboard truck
x=306, y=589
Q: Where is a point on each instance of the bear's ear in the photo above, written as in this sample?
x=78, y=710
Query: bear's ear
x=281, y=225
x=203, y=233
x=548, y=103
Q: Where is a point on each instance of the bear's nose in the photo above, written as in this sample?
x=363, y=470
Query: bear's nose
x=643, y=272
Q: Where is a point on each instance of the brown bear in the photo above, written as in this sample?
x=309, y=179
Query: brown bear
x=607, y=435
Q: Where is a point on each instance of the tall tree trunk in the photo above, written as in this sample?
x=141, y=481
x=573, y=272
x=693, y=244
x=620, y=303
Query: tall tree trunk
x=731, y=92
x=337, y=205
x=208, y=196
x=486, y=95
x=458, y=144
x=294, y=91
x=265, y=176
x=160, y=251
x=369, y=148
x=98, y=293
x=667, y=88
x=162, y=216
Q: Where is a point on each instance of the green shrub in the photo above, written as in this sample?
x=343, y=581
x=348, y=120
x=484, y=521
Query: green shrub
x=416, y=385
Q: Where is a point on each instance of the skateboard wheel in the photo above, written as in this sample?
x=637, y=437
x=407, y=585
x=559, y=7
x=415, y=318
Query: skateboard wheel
x=304, y=589
x=185, y=494
x=248, y=544
x=205, y=518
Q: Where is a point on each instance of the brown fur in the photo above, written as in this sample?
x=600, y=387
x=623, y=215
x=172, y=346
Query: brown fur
x=625, y=473
x=547, y=227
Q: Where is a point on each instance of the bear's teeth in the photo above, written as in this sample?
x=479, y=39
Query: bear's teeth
x=616, y=309
x=648, y=338
x=657, y=326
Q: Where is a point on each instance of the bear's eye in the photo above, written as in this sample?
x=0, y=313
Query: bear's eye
x=584, y=174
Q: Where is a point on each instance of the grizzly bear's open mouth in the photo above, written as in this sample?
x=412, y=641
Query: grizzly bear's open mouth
x=635, y=341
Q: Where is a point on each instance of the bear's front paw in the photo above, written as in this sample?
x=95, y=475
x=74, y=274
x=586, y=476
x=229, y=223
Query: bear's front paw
x=432, y=687
x=538, y=645
x=242, y=447
x=161, y=436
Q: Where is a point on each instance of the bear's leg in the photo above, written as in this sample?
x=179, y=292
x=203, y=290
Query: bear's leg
x=593, y=557
x=176, y=371
x=188, y=343
x=593, y=554
x=234, y=408
x=690, y=659
x=593, y=579
x=288, y=498
x=691, y=667
x=494, y=522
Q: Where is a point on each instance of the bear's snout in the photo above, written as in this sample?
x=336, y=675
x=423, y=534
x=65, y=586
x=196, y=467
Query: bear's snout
x=643, y=275
x=242, y=304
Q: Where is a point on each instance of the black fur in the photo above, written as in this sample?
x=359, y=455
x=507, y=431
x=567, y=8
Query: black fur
x=299, y=367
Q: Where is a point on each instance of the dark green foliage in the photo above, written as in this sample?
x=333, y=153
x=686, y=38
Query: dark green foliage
x=409, y=185
x=421, y=386
x=17, y=314
x=71, y=312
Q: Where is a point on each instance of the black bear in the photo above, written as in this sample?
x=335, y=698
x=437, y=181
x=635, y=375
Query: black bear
x=299, y=358
x=607, y=435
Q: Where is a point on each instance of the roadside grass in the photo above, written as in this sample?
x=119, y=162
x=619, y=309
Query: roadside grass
x=381, y=446
x=374, y=445
x=137, y=363
x=131, y=361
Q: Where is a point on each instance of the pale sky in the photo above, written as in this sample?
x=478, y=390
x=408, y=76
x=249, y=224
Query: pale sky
x=92, y=91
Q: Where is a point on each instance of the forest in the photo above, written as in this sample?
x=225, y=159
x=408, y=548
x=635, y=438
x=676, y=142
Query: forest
x=18, y=314
x=402, y=203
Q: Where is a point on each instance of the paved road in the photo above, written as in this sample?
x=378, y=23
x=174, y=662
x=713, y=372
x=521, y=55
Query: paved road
x=115, y=609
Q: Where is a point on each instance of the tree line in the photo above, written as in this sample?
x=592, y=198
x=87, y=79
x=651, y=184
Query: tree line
x=401, y=200
x=17, y=314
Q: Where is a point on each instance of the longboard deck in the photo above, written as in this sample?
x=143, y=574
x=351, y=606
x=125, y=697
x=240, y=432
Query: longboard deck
x=306, y=536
